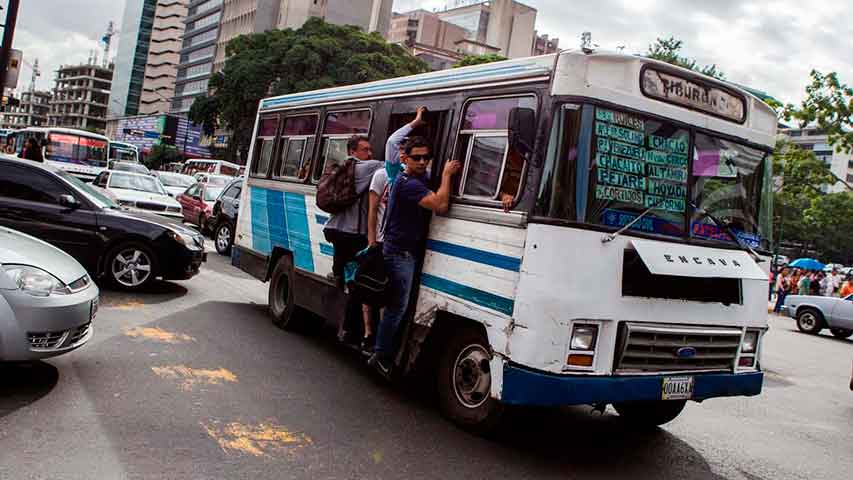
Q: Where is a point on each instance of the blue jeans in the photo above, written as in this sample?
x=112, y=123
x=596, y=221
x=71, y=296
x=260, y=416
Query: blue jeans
x=780, y=300
x=400, y=268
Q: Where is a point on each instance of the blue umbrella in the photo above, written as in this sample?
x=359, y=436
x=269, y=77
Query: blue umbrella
x=806, y=264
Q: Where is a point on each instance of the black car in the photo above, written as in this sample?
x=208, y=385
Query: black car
x=225, y=216
x=128, y=249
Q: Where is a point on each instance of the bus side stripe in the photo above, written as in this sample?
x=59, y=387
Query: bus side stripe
x=480, y=256
x=327, y=249
x=321, y=219
x=299, y=236
x=473, y=295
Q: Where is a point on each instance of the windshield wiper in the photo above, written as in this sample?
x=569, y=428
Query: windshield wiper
x=727, y=228
x=612, y=236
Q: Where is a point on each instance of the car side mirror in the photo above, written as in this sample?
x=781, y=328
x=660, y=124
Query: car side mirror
x=68, y=201
x=522, y=130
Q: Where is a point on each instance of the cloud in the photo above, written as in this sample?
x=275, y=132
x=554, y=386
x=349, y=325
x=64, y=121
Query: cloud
x=767, y=45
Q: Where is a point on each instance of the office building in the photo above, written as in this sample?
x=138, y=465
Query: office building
x=32, y=111
x=542, y=45
x=164, y=53
x=132, y=57
x=80, y=97
x=198, y=49
x=839, y=162
x=504, y=24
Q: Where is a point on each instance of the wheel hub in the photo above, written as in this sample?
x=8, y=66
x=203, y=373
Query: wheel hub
x=472, y=380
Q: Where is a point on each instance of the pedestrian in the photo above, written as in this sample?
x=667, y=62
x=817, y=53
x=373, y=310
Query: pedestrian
x=409, y=202
x=803, y=285
x=847, y=287
x=815, y=280
x=836, y=279
x=827, y=286
x=347, y=232
x=32, y=151
x=781, y=289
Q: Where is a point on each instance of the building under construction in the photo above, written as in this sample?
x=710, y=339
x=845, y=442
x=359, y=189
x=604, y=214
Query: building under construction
x=31, y=112
x=81, y=96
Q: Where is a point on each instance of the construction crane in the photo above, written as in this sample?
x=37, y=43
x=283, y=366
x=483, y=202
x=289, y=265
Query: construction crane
x=107, y=39
x=36, y=72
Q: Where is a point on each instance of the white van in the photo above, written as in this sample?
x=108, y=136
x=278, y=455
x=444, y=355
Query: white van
x=220, y=167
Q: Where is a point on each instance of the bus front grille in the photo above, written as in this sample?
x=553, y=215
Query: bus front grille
x=652, y=348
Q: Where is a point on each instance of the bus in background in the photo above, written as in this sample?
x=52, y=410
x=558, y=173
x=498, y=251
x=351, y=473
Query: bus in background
x=78, y=152
x=623, y=273
x=218, y=167
x=123, y=152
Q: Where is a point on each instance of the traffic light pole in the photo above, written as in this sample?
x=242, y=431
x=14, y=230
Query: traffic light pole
x=8, y=34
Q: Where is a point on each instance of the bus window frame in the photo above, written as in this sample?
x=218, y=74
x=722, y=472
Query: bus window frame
x=457, y=194
x=256, y=152
x=319, y=167
x=284, y=147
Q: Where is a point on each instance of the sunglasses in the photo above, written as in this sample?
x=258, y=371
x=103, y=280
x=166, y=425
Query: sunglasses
x=419, y=158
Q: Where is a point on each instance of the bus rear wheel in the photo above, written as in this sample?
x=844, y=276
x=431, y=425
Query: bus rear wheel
x=280, y=294
x=650, y=413
x=464, y=382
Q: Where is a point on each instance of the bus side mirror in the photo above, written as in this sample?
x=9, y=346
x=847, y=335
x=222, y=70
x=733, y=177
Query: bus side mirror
x=522, y=130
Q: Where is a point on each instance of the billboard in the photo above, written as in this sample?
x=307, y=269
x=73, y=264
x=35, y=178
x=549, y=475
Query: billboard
x=149, y=130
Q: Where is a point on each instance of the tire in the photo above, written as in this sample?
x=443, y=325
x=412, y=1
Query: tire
x=809, y=321
x=841, y=332
x=223, y=238
x=280, y=295
x=202, y=225
x=649, y=413
x=464, y=382
x=130, y=266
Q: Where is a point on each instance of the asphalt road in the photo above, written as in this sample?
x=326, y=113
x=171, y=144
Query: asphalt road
x=191, y=380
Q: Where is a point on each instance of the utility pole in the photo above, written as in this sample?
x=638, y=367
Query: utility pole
x=8, y=34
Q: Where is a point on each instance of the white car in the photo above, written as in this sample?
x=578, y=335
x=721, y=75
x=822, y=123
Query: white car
x=139, y=192
x=175, y=183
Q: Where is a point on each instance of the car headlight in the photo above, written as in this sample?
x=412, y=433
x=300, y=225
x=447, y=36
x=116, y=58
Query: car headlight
x=35, y=281
x=750, y=342
x=583, y=337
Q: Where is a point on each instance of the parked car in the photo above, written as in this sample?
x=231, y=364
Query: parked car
x=814, y=313
x=197, y=203
x=129, y=167
x=212, y=179
x=47, y=300
x=139, y=192
x=225, y=216
x=129, y=249
x=175, y=183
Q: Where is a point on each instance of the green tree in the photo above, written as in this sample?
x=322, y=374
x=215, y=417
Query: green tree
x=161, y=155
x=832, y=218
x=469, y=60
x=668, y=50
x=277, y=62
x=829, y=106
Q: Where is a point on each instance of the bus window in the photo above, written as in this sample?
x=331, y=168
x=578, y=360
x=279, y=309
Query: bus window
x=559, y=175
x=264, y=145
x=296, y=147
x=337, y=129
x=492, y=170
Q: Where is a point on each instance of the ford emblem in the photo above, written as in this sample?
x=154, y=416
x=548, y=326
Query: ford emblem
x=686, y=352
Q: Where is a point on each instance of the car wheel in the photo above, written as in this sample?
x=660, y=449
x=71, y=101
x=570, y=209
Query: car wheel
x=649, y=413
x=202, y=225
x=131, y=266
x=810, y=321
x=464, y=382
x=280, y=295
x=224, y=238
x=841, y=332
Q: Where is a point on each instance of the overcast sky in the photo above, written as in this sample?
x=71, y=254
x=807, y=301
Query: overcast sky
x=768, y=45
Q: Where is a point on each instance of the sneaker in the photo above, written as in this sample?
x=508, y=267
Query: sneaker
x=380, y=364
x=367, y=344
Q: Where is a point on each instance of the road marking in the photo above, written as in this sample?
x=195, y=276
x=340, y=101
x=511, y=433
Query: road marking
x=130, y=305
x=256, y=440
x=190, y=377
x=158, y=334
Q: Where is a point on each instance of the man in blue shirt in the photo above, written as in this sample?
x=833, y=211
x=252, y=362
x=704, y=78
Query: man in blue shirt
x=409, y=203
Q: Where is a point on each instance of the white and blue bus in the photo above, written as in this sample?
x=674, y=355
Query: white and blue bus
x=78, y=152
x=624, y=274
x=123, y=152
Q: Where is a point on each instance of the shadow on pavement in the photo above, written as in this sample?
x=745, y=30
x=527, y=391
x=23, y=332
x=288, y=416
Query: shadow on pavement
x=23, y=383
x=158, y=292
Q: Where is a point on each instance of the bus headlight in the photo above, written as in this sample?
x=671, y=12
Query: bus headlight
x=583, y=337
x=750, y=342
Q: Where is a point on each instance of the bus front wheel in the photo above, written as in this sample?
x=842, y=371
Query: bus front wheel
x=464, y=382
x=650, y=413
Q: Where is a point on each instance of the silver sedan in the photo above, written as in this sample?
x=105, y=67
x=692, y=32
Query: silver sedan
x=47, y=300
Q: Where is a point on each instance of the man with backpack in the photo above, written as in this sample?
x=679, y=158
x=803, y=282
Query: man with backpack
x=341, y=192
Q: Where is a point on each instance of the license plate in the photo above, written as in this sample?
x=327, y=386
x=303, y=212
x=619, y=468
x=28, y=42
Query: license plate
x=677, y=388
x=93, y=309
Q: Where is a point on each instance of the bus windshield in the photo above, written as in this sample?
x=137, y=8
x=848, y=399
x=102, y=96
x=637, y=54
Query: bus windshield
x=65, y=147
x=637, y=162
x=123, y=154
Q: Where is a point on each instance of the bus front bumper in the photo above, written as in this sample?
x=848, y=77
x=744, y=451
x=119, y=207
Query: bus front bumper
x=522, y=386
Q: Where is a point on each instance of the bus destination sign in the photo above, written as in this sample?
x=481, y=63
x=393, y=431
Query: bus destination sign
x=693, y=94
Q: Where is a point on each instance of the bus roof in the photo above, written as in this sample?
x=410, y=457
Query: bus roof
x=68, y=131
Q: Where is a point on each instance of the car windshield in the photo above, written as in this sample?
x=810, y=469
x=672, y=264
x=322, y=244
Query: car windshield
x=608, y=166
x=131, y=167
x=218, y=180
x=91, y=193
x=211, y=194
x=141, y=183
x=175, y=180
